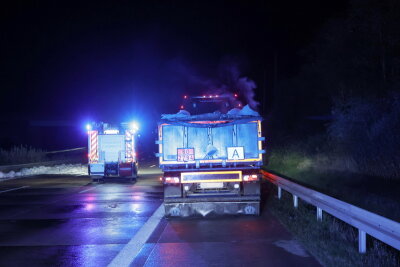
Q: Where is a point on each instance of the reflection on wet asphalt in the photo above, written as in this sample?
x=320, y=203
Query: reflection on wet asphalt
x=69, y=221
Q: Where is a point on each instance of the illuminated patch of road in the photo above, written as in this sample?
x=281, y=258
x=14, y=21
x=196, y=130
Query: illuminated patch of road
x=126, y=256
x=89, y=189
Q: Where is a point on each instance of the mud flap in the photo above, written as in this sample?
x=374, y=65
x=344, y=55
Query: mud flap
x=211, y=208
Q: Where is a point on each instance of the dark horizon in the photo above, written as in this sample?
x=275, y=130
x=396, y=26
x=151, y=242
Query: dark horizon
x=81, y=62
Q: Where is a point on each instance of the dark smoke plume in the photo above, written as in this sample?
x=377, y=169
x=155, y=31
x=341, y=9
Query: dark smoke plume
x=226, y=82
x=234, y=83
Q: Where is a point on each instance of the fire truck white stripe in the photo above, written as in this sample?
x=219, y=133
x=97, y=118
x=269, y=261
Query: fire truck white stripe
x=126, y=256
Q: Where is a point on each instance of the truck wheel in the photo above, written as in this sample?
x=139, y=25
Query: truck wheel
x=135, y=171
x=130, y=179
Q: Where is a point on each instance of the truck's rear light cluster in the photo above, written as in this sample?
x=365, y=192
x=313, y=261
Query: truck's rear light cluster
x=252, y=177
x=171, y=180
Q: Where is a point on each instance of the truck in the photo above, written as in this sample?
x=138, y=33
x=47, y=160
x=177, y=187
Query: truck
x=211, y=162
x=112, y=151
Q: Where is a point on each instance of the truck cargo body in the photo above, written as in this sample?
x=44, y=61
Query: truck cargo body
x=111, y=153
x=211, y=166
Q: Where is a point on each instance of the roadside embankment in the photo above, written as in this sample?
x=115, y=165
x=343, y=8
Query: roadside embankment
x=38, y=162
x=59, y=169
x=330, y=175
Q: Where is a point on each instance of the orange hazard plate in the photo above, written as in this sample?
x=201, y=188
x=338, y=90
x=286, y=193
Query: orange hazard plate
x=185, y=154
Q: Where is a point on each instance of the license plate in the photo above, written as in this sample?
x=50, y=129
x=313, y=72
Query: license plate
x=211, y=185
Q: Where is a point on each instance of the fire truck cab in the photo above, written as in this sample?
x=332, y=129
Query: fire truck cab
x=111, y=151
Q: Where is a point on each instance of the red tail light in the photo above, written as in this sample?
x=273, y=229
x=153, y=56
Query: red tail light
x=251, y=177
x=171, y=180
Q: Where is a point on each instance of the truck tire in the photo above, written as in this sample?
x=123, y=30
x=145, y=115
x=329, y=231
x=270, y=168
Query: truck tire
x=135, y=170
x=97, y=178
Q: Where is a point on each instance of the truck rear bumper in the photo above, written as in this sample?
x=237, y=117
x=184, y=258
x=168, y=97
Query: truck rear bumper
x=185, y=207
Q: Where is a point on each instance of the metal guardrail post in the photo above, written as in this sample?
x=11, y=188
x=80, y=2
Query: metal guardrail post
x=295, y=201
x=319, y=214
x=279, y=192
x=362, y=241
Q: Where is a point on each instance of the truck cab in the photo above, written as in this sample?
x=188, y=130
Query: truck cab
x=112, y=151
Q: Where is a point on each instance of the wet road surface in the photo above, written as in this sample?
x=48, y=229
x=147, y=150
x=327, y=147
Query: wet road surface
x=70, y=221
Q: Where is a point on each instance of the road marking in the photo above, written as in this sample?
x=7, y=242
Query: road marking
x=126, y=256
x=14, y=189
x=152, y=166
x=83, y=191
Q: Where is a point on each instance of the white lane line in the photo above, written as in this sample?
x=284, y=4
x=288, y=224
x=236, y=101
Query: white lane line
x=83, y=191
x=152, y=166
x=126, y=256
x=14, y=189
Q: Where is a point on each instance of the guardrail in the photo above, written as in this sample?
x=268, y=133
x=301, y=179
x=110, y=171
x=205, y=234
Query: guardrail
x=66, y=150
x=366, y=222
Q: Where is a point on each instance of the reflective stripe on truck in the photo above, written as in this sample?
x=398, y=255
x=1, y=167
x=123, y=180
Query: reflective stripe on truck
x=93, y=147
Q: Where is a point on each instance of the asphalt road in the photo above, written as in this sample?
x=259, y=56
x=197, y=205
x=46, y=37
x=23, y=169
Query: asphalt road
x=70, y=221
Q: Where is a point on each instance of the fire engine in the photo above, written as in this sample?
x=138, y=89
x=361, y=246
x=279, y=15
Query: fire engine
x=111, y=150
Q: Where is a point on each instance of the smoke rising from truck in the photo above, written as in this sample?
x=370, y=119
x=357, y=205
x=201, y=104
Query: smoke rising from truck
x=227, y=81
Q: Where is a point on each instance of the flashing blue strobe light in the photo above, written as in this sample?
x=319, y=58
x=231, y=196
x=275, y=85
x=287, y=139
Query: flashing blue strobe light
x=134, y=126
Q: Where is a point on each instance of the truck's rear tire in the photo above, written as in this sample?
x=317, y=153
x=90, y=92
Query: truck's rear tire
x=135, y=170
x=97, y=178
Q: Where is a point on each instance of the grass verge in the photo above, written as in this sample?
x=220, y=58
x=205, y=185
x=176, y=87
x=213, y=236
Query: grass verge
x=21, y=154
x=334, y=177
x=332, y=242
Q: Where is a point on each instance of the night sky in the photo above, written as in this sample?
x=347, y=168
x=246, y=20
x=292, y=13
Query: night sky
x=66, y=63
